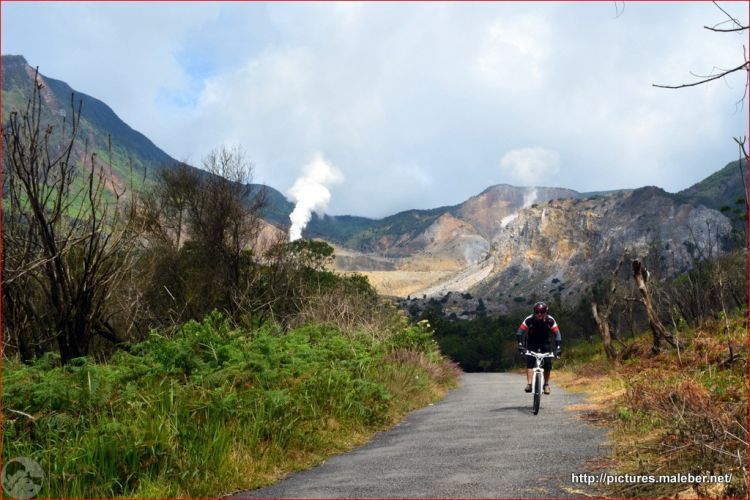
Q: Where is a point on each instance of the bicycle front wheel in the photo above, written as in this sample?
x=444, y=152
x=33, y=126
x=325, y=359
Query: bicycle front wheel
x=537, y=392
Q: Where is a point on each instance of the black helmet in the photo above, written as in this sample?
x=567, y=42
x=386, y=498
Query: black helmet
x=540, y=307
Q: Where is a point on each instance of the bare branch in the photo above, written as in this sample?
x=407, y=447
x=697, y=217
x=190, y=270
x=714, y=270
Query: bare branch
x=729, y=16
x=719, y=30
x=618, y=10
x=744, y=65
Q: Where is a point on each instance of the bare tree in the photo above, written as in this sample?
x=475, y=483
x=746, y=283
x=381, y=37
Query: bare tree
x=641, y=277
x=65, y=248
x=202, y=231
x=741, y=143
x=737, y=27
x=164, y=208
x=226, y=212
x=602, y=309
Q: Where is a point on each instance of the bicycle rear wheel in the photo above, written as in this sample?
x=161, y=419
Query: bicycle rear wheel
x=537, y=392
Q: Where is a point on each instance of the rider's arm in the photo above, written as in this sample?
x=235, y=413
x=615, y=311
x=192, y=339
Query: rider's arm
x=558, y=337
x=519, y=336
x=558, y=340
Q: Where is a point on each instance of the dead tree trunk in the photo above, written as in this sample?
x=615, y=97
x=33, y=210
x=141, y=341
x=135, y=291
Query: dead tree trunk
x=602, y=322
x=640, y=275
x=601, y=314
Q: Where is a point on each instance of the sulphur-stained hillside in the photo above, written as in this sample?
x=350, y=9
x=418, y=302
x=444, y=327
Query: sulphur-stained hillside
x=533, y=245
x=564, y=246
x=514, y=244
x=490, y=210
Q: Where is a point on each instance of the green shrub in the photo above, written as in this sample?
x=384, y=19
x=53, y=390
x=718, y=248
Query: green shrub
x=171, y=417
x=417, y=337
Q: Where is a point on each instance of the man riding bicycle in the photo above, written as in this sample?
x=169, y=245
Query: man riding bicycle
x=538, y=330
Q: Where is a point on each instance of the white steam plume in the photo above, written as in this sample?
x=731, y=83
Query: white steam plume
x=310, y=193
x=531, y=167
x=528, y=199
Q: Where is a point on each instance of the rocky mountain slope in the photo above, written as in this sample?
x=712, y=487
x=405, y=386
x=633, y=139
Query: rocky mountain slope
x=562, y=247
x=557, y=246
x=430, y=251
x=416, y=230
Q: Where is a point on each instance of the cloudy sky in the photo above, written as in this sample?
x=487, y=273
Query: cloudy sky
x=416, y=105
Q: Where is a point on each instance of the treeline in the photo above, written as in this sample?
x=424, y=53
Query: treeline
x=488, y=343
x=92, y=262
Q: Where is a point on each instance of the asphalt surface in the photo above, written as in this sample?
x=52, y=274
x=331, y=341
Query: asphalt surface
x=481, y=440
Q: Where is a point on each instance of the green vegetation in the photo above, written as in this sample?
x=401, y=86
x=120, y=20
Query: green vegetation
x=341, y=228
x=364, y=233
x=207, y=409
x=481, y=344
x=719, y=188
x=488, y=342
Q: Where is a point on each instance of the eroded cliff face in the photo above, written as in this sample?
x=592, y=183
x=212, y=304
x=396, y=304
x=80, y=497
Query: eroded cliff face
x=564, y=246
x=513, y=245
x=451, y=253
x=461, y=232
x=454, y=239
x=489, y=211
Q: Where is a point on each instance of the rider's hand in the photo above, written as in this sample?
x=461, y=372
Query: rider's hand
x=558, y=352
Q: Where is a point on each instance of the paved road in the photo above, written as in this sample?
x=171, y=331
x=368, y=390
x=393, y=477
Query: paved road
x=480, y=441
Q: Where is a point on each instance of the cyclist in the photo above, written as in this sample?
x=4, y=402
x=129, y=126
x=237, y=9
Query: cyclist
x=538, y=329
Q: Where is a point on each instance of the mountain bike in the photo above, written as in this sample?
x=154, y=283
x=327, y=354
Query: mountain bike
x=537, y=378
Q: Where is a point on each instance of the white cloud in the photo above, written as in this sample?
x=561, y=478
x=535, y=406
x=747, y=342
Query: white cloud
x=513, y=51
x=530, y=166
x=415, y=101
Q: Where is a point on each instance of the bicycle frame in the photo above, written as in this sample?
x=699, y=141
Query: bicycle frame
x=537, y=378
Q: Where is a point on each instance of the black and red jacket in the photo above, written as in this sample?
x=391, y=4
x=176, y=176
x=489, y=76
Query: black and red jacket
x=538, y=334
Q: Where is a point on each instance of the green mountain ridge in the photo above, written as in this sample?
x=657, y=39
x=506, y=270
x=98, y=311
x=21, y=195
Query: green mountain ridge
x=722, y=188
x=98, y=121
x=134, y=157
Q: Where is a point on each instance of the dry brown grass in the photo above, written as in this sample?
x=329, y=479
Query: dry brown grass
x=444, y=371
x=676, y=412
x=403, y=283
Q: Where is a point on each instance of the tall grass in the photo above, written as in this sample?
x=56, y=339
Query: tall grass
x=209, y=409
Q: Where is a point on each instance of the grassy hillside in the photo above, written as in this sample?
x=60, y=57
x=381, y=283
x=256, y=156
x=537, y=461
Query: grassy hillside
x=365, y=234
x=130, y=149
x=133, y=157
x=722, y=188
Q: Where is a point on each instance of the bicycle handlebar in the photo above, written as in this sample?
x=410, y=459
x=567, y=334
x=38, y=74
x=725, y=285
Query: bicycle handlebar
x=540, y=355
